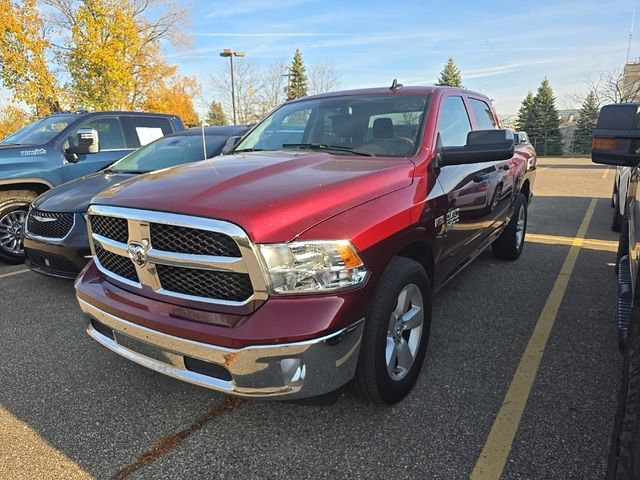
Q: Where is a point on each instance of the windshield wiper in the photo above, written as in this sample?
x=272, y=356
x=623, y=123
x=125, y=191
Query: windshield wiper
x=324, y=146
x=247, y=150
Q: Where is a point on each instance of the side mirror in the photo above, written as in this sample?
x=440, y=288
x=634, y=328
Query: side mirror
x=482, y=146
x=616, y=140
x=87, y=141
x=230, y=144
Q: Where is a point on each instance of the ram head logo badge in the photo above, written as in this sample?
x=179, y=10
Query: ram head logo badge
x=138, y=253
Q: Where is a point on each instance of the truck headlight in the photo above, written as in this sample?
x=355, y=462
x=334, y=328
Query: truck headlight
x=312, y=267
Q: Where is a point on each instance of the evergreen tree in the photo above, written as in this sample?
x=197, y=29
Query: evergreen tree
x=215, y=115
x=586, y=124
x=450, y=75
x=545, y=135
x=297, y=78
x=526, y=114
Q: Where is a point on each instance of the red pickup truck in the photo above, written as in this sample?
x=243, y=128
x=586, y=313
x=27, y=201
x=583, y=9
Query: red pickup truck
x=306, y=259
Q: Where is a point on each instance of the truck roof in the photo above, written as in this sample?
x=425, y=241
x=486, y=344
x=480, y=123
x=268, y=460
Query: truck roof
x=386, y=90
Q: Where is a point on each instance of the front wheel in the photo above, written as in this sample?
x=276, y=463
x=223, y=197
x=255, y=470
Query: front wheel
x=510, y=243
x=14, y=206
x=396, y=333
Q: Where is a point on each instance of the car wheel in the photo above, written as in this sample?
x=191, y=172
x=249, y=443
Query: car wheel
x=617, y=220
x=13, y=213
x=624, y=454
x=510, y=243
x=614, y=195
x=396, y=334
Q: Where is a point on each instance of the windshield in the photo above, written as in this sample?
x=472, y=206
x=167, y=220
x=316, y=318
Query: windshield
x=169, y=152
x=40, y=132
x=377, y=125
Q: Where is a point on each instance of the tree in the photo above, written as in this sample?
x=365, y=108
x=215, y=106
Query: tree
x=297, y=78
x=611, y=86
x=215, y=115
x=526, y=114
x=249, y=81
x=545, y=132
x=450, y=75
x=586, y=124
x=12, y=118
x=322, y=78
x=176, y=96
x=23, y=57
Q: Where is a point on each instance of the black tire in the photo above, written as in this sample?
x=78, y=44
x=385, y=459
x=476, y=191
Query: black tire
x=507, y=246
x=11, y=202
x=624, y=454
x=616, y=222
x=623, y=245
x=372, y=380
x=614, y=194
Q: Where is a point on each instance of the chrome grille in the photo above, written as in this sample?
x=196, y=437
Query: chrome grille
x=176, y=258
x=234, y=287
x=110, y=227
x=173, y=238
x=49, y=224
x=117, y=264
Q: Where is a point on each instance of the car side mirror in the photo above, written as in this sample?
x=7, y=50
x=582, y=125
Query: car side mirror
x=87, y=142
x=230, y=144
x=482, y=146
x=616, y=140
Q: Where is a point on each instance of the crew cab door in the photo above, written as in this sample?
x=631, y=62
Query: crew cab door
x=474, y=191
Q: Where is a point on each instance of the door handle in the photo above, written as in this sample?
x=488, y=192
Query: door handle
x=506, y=167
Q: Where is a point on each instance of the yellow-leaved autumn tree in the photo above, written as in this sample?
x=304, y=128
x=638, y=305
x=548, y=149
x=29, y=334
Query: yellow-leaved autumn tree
x=175, y=96
x=12, y=118
x=108, y=51
x=23, y=57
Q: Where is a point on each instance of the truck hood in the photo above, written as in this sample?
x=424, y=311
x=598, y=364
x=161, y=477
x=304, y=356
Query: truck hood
x=76, y=195
x=273, y=196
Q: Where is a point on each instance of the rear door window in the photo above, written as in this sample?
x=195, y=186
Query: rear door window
x=143, y=130
x=483, y=114
x=453, y=124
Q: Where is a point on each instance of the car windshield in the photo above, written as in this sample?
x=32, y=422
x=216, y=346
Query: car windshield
x=169, y=152
x=40, y=132
x=376, y=125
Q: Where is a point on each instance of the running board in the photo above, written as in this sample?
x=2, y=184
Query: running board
x=625, y=300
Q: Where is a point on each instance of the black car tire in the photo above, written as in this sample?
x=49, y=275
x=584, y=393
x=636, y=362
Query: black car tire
x=624, y=454
x=11, y=201
x=509, y=244
x=616, y=222
x=372, y=380
x=623, y=245
x=614, y=195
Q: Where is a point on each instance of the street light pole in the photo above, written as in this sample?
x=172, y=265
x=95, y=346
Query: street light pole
x=227, y=52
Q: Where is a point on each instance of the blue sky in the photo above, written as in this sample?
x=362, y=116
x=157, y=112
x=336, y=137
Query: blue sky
x=503, y=49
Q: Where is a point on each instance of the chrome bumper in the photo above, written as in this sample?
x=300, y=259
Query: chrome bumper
x=292, y=370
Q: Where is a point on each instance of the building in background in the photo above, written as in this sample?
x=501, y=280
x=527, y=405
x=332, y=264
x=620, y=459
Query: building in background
x=568, y=124
x=631, y=81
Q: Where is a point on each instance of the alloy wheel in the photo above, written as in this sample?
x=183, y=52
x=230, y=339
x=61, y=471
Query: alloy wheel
x=11, y=232
x=404, y=332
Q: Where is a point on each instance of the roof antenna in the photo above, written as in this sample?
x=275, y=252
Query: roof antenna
x=395, y=85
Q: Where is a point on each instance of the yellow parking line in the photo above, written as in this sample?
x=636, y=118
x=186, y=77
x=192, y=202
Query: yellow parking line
x=498, y=445
x=11, y=274
x=605, y=173
x=543, y=169
x=25, y=454
x=592, y=244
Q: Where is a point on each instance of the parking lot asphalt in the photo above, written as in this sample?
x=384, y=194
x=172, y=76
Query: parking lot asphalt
x=72, y=409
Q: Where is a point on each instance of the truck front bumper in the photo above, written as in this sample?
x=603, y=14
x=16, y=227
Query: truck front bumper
x=282, y=371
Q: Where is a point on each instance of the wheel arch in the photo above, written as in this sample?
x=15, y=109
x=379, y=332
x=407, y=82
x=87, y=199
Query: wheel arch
x=421, y=253
x=31, y=185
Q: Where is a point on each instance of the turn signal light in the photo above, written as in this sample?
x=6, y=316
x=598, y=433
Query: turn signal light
x=603, y=144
